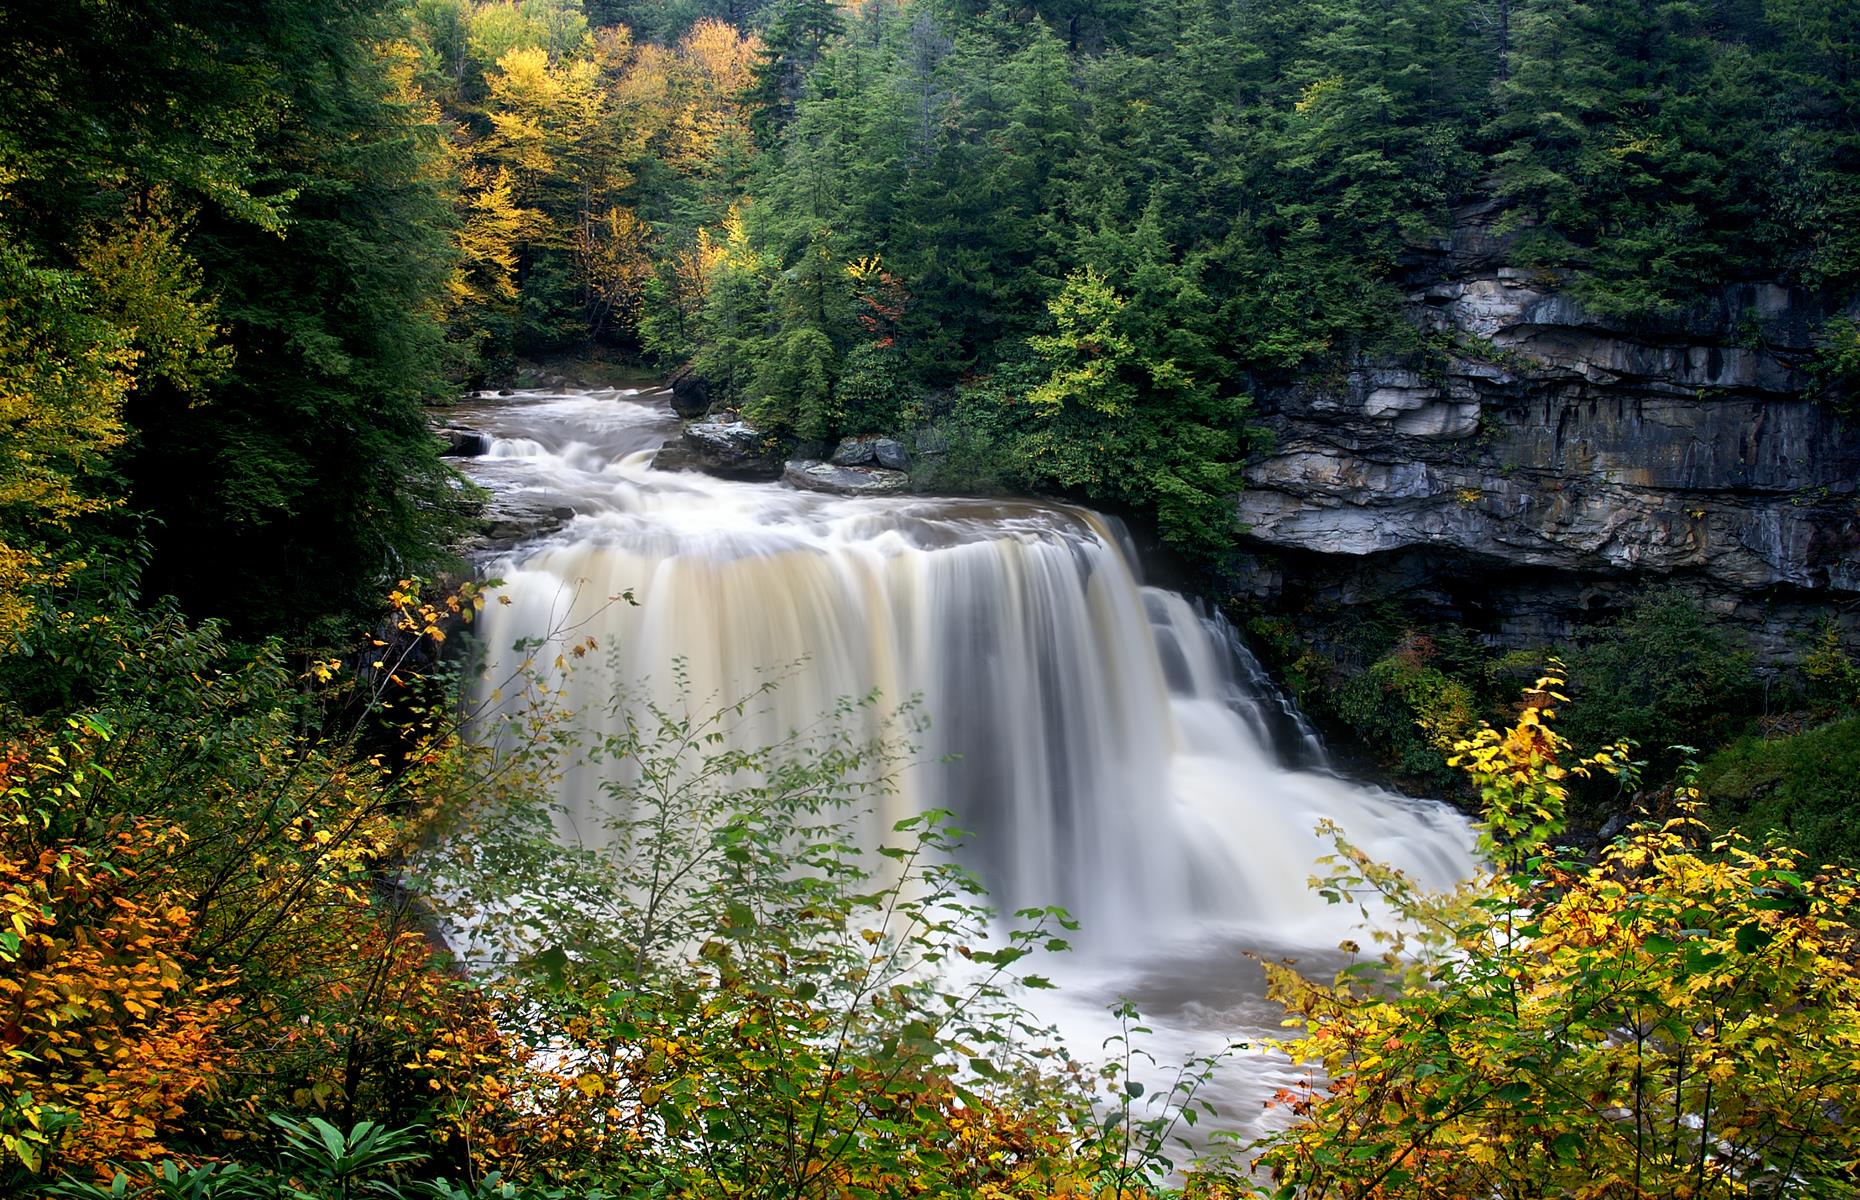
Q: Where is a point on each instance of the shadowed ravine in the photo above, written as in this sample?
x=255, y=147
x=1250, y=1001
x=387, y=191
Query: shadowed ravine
x=1112, y=748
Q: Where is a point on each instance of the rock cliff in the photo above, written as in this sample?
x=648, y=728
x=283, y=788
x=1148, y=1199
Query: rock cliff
x=1538, y=460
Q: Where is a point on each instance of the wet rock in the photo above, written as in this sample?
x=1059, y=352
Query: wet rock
x=460, y=441
x=819, y=476
x=855, y=452
x=512, y=518
x=888, y=453
x=891, y=454
x=690, y=393
x=726, y=446
x=1547, y=442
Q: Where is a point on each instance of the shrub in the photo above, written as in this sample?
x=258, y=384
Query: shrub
x=1411, y=710
x=1668, y=672
x=1804, y=788
x=1832, y=678
x=872, y=390
x=1679, y=1018
x=105, y=1025
x=194, y=876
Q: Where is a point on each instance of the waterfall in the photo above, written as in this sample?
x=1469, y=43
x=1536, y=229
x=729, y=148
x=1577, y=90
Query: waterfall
x=1113, y=749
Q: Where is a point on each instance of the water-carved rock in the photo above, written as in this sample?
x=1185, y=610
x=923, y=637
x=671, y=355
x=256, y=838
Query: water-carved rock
x=819, y=476
x=725, y=446
x=460, y=441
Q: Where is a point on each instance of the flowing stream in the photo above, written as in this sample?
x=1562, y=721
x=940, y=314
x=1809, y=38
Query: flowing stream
x=1114, y=749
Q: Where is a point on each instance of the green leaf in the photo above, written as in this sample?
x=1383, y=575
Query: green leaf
x=553, y=962
x=1753, y=937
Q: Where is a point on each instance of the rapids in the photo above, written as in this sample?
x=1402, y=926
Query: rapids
x=1114, y=749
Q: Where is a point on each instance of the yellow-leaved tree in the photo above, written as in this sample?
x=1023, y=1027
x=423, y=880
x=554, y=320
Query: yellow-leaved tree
x=1678, y=1017
x=74, y=342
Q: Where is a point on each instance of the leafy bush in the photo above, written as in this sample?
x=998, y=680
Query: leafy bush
x=872, y=391
x=194, y=881
x=1412, y=708
x=1804, y=788
x=1831, y=677
x=1836, y=367
x=1678, y=1018
x=107, y=1028
x=1667, y=672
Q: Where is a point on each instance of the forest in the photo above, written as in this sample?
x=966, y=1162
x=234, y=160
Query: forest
x=255, y=804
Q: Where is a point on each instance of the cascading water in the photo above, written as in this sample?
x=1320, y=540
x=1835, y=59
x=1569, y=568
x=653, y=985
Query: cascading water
x=1111, y=747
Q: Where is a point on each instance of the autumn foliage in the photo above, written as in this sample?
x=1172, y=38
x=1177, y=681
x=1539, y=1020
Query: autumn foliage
x=105, y=1019
x=1679, y=1017
x=193, y=931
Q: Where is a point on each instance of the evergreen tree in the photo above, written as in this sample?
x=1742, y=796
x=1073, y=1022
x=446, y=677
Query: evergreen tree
x=797, y=36
x=1614, y=127
x=307, y=479
x=242, y=198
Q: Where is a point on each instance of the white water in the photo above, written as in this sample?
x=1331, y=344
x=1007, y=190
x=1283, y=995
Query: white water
x=1112, y=747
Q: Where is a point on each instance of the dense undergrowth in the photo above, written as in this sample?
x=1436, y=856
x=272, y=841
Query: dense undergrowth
x=1678, y=1015
x=1668, y=676
x=225, y=878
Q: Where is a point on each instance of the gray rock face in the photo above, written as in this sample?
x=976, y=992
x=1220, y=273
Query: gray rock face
x=891, y=454
x=1551, y=440
x=726, y=446
x=819, y=476
x=855, y=452
x=511, y=520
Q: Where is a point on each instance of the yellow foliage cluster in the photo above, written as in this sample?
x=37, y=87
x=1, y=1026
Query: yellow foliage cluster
x=103, y=1014
x=1678, y=1018
x=551, y=171
x=73, y=344
x=239, y=952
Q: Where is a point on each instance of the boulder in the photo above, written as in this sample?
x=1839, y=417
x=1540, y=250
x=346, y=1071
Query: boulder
x=726, y=446
x=816, y=476
x=513, y=518
x=891, y=454
x=855, y=452
x=690, y=393
x=888, y=453
x=459, y=441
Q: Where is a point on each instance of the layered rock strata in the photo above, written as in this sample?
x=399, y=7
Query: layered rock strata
x=1540, y=459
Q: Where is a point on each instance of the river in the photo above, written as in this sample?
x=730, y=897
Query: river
x=1114, y=749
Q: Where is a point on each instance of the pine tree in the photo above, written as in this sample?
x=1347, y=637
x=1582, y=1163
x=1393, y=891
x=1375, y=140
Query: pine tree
x=797, y=36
